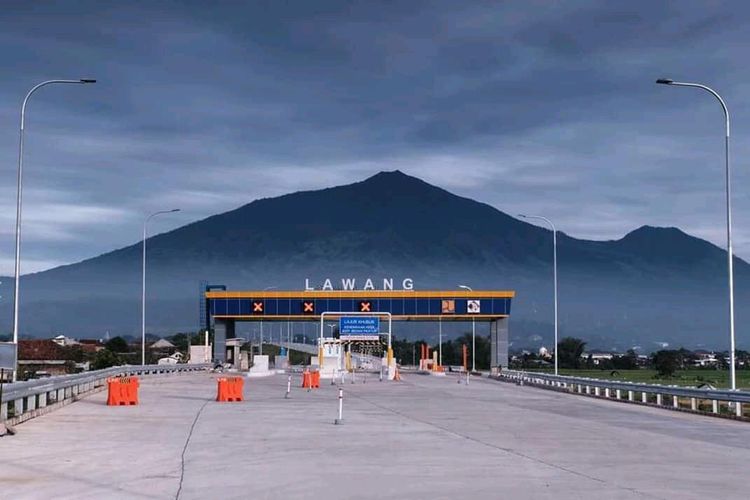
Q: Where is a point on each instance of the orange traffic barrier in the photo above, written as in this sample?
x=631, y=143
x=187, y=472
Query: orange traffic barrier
x=122, y=391
x=239, y=385
x=229, y=389
x=315, y=379
x=306, y=379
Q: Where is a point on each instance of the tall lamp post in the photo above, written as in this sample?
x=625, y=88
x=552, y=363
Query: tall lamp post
x=440, y=341
x=554, y=270
x=473, y=335
x=730, y=269
x=19, y=198
x=143, y=283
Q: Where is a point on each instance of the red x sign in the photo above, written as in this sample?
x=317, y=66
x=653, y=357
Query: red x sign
x=308, y=307
x=365, y=307
x=257, y=307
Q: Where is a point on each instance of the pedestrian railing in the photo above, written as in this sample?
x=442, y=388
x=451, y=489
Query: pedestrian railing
x=714, y=401
x=24, y=400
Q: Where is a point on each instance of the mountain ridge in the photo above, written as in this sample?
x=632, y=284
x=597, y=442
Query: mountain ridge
x=388, y=224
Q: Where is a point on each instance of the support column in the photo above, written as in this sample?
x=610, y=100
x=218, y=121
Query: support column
x=498, y=345
x=223, y=330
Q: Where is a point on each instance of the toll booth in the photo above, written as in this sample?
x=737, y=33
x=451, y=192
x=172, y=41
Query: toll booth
x=224, y=308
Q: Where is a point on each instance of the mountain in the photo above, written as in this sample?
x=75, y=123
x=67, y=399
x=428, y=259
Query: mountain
x=654, y=284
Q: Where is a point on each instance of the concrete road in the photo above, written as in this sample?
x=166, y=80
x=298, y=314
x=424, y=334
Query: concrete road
x=425, y=437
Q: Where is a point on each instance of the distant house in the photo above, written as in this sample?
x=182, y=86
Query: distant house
x=171, y=360
x=598, y=356
x=64, y=341
x=705, y=358
x=43, y=357
x=91, y=346
x=162, y=345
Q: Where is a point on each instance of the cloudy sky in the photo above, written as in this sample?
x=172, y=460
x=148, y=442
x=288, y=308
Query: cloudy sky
x=540, y=107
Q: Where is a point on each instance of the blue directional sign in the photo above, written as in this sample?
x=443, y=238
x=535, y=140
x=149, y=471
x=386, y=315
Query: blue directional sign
x=359, y=325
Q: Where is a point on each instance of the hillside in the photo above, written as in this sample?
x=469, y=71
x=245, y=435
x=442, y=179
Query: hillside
x=653, y=284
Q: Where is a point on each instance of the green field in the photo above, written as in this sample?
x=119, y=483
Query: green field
x=691, y=377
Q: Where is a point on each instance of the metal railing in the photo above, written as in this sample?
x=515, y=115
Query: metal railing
x=627, y=391
x=24, y=400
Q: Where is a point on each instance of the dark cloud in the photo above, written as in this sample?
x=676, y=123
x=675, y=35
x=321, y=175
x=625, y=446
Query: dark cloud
x=543, y=107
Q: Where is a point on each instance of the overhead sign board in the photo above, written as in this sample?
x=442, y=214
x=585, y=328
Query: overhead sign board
x=8, y=355
x=359, y=325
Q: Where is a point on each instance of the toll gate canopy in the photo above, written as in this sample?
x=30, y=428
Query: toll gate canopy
x=224, y=308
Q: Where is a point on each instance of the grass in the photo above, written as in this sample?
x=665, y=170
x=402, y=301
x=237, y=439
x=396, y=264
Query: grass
x=690, y=377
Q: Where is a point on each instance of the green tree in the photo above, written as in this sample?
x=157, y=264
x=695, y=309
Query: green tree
x=685, y=358
x=180, y=341
x=404, y=350
x=116, y=344
x=627, y=362
x=74, y=353
x=569, y=351
x=666, y=362
x=743, y=358
x=104, y=359
x=721, y=360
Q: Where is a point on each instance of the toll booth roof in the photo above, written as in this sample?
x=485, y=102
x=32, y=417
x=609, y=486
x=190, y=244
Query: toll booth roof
x=427, y=305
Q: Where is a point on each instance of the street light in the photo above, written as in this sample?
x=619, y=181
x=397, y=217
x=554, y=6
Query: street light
x=473, y=335
x=730, y=270
x=143, y=290
x=440, y=341
x=19, y=197
x=554, y=270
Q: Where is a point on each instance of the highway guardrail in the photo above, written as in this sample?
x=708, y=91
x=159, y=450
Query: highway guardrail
x=677, y=397
x=24, y=400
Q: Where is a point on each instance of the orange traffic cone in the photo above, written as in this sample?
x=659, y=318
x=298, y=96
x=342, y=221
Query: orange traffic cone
x=397, y=375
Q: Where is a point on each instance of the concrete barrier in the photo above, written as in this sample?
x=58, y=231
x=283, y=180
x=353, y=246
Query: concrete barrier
x=732, y=401
x=23, y=401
